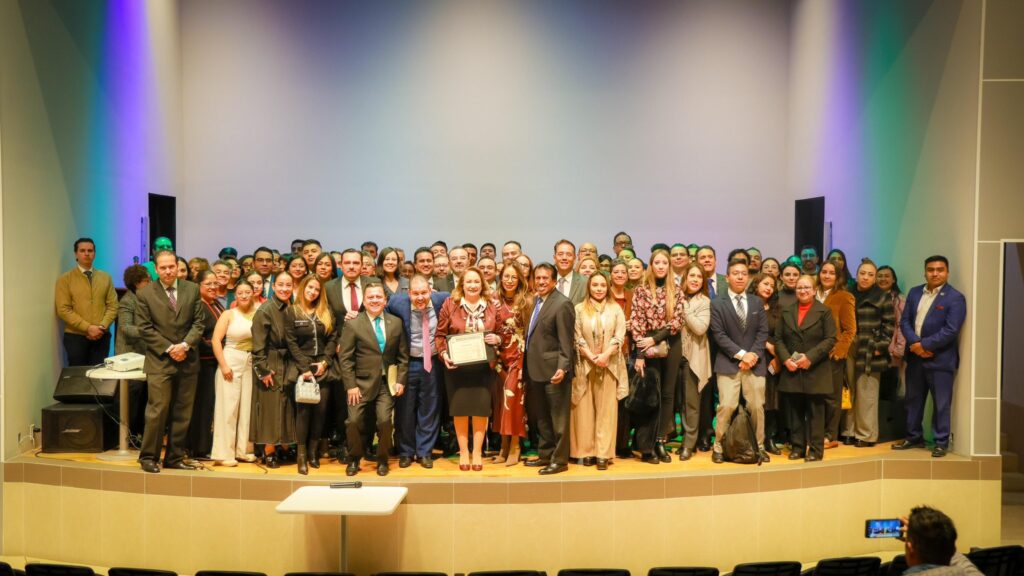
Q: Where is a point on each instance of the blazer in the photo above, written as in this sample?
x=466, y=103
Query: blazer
x=362, y=364
x=443, y=284
x=612, y=329
x=731, y=338
x=81, y=304
x=162, y=327
x=400, y=305
x=128, y=338
x=814, y=338
x=696, y=349
x=577, y=289
x=336, y=299
x=269, y=344
x=721, y=286
x=844, y=312
x=550, y=339
x=308, y=343
x=941, y=328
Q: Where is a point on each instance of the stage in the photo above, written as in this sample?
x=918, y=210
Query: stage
x=633, y=515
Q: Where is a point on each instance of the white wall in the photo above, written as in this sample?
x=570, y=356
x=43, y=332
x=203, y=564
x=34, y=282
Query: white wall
x=484, y=121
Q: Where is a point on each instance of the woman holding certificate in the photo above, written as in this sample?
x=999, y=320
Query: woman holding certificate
x=465, y=330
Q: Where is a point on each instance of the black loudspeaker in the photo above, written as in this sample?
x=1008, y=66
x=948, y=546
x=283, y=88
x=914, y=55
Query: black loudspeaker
x=810, y=225
x=77, y=428
x=892, y=420
x=74, y=387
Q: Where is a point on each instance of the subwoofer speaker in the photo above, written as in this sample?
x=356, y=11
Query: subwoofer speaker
x=77, y=428
x=892, y=420
x=74, y=387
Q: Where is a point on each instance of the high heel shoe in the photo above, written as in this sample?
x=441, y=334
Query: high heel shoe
x=313, y=456
x=300, y=460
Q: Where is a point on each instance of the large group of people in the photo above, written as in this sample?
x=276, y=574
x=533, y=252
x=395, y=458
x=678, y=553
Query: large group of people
x=590, y=358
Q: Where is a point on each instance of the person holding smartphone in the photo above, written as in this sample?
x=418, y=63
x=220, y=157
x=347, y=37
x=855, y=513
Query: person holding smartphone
x=804, y=336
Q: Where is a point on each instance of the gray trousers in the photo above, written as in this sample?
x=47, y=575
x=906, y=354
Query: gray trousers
x=729, y=388
x=383, y=405
x=865, y=407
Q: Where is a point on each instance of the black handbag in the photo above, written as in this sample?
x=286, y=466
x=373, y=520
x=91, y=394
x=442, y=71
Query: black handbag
x=644, y=392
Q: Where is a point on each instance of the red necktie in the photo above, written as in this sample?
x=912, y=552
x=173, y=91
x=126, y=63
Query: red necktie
x=426, y=340
x=353, y=297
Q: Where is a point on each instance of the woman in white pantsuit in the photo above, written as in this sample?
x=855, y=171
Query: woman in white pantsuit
x=234, y=380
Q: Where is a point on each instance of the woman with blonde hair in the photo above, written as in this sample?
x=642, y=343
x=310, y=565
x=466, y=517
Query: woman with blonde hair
x=587, y=266
x=600, y=379
x=468, y=386
x=512, y=305
x=312, y=342
x=655, y=322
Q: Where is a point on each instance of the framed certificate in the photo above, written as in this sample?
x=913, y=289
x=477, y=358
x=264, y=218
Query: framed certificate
x=466, y=349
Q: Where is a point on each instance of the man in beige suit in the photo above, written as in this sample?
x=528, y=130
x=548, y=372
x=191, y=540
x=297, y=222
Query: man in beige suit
x=170, y=318
x=87, y=303
x=371, y=343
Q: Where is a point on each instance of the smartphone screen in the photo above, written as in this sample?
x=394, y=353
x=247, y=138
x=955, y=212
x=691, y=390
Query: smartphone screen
x=882, y=528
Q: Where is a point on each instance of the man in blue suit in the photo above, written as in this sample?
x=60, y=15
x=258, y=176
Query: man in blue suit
x=931, y=323
x=417, y=412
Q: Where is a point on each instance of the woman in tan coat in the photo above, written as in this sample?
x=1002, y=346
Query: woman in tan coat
x=696, y=364
x=833, y=293
x=600, y=379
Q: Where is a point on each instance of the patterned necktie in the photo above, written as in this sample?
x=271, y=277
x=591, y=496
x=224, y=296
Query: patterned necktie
x=353, y=297
x=174, y=301
x=741, y=311
x=88, y=274
x=380, y=332
x=561, y=285
x=427, y=360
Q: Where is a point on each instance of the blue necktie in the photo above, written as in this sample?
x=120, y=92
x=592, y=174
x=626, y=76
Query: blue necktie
x=533, y=320
x=711, y=287
x=379, y=331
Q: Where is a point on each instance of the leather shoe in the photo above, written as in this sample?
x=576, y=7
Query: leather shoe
x=382, y=469
x=907, y=445
x=849, y=440
x=864, y=444
x=270, y=461
x=685, y=454
x=150, y=466
x=659, y=451
x=812, y=458
x=829, y=444
x=553, y=469
x=771, y=447
x=602, y=463
x=624, y=453
x=404, y=461
x=649, y=459
x=427, y=462
x=179, y=465
x=353, y=467
x=588, y=461
x=537, y=463
x=939, y=451
x=717, y=457
x=704, y=444
x=796, y=455
x=765, y=457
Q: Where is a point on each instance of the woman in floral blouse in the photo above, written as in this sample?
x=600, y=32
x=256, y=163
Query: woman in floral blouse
x=654, y=321
x=511, y=306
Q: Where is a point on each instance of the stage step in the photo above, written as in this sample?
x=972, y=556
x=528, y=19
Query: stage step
x=1010, y=461
x=1013, y=482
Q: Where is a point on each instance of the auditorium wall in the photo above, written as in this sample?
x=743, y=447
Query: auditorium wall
x=90, y=120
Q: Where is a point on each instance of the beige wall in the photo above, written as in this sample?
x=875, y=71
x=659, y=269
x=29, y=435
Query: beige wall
x=59, y=112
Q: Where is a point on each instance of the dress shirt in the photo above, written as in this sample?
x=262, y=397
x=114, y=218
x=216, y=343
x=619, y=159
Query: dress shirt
x=746, y=306
x=823, y=295
x=346, y=293
x=927, y=298
x=416, y=328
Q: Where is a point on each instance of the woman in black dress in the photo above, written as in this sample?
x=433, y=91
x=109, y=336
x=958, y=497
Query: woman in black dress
x=273, y=411
x=200, y=429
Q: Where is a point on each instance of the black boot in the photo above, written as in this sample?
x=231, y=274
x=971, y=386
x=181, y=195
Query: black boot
x=313, y=452
x=659, y=451
x=300, y=460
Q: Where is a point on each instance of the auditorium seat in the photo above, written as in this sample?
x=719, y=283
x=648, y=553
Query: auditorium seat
x=894, y=568
x=319, y=574
x=767, y=569
x=406, y=574
x=7, y=570
x=866, y=566
x=227, y=573
x=998, y=561
x=39, y=569
x=139, y=572
x=593, y=572
x=509, y=573
x=683, y=571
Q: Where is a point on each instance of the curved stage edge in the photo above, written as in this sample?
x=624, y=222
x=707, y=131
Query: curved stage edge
x=77, y=509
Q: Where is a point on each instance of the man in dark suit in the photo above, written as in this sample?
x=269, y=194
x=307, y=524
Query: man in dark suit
x=371, y=343
x=550, y=358
x=931, y=323
x=568, y=282
x=717, y=283
x=739, y=326
x=423, y=262
x=417, y=411
x=170, y=318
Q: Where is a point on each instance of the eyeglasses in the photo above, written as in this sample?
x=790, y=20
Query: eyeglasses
x=804, y=288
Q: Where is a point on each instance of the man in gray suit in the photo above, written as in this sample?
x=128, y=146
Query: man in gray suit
x=371, y=343
x=709, y=262
x=170, y=319
x=568, y=282
x=550, y=358
x=739, y=325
